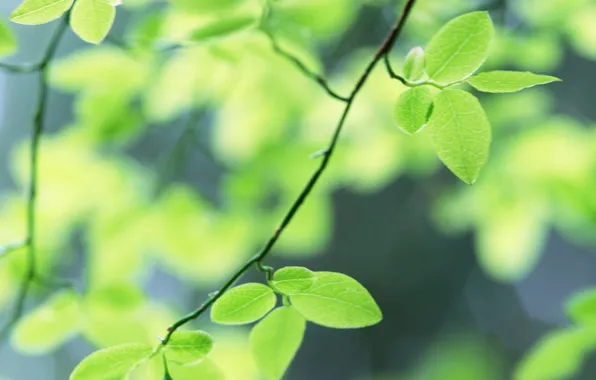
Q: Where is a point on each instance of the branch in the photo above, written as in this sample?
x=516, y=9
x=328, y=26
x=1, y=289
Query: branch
x=258, y=258
x=38, y=125
x=302, y=67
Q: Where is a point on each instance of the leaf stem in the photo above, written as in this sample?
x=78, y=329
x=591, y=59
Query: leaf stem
x=258, y=258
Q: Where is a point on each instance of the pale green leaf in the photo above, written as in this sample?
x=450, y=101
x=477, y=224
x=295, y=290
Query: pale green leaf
x=91, y=20
x=34, y=12
x=221, y=28
x=459, y=48
x=201, y=6
x=581, y=307
x=205, y=370
x=8, y=41
x=558, y=355
x=413, y=109
x=508, y=81
x=461, y=133
x=275, y=340
x=290, y=280
x=187, y=347
x=414, y=64
x=337, y=300
x=243, y=304
x=112, y=363
x=49, y=325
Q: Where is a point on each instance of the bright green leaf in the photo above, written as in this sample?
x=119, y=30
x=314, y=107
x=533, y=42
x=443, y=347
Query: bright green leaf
x=50, y=325
x=414, y=64
x=112, y=363
x=34, y=12
x=339, y=301
x=243, y=304
x=201, y=6
x=187, y=347
x=275, y=340
x=581, y=307
x=460, y=133
x=290, y=280
x=92, y=19
x=508, y=81
x=413, y=109
x=459, y=48
x=8, y=41
x=205, y=370
x=221, y=28
x=558, y=355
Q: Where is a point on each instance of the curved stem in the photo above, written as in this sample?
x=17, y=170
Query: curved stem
x=256, y=259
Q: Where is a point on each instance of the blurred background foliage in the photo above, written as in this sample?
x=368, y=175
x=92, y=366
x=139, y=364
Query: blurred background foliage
x=168, y=162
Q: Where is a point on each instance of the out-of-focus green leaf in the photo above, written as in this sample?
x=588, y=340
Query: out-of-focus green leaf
x=49, y=325
x=205, y=370
x=112, y=363
x=414, y=64
x=33, y=12
x=459, y=48
x=413, y=108
x=201, y=6
x=8, y=41
x=275, y=340
x=558, y=355
x=222, y=28
x=460, y=133
x=92, y=19
x=243, y=304
x=581, y=307
x=337, y=300
x=508, y=81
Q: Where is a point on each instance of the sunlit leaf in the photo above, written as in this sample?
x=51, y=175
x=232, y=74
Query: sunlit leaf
x=112, y=363
x=459, y=48
x=337, y=300
x=92, y=19
x=33, y=12
x=461, y=133
x=412, y=109
x=243, y=304
x=221, y=28
x=508, y=81
x=8, y=41
x=581, y=307
x=200, y=6
x=205, y=370
x=290, y=280
x=187, y=347
x=275, y=340
x=49, y=325
x=414, y=64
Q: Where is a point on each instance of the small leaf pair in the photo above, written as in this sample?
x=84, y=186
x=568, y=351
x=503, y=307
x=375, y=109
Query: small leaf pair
x=91, y=20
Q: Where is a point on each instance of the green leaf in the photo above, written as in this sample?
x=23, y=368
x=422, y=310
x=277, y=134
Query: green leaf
x=275, y=340
x=202, y=6
x=413, y=108
x=221, y=28
x=34, y=12
x=8, y=41
x=558, y=355
x=290, y=280
x=414, y=64
x=49, y=325
x=508, y=81
x=243, y=304
x=339, y=301
x=92, y=19
x=112, y=363
x=461, y=133
x=205, y=370
x=459, y=48
x=187, y=347
x=581, y=307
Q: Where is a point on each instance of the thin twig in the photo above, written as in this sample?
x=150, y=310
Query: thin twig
x=302, y=67
x=391, y=72
x=38, y=126
x=258, y=258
